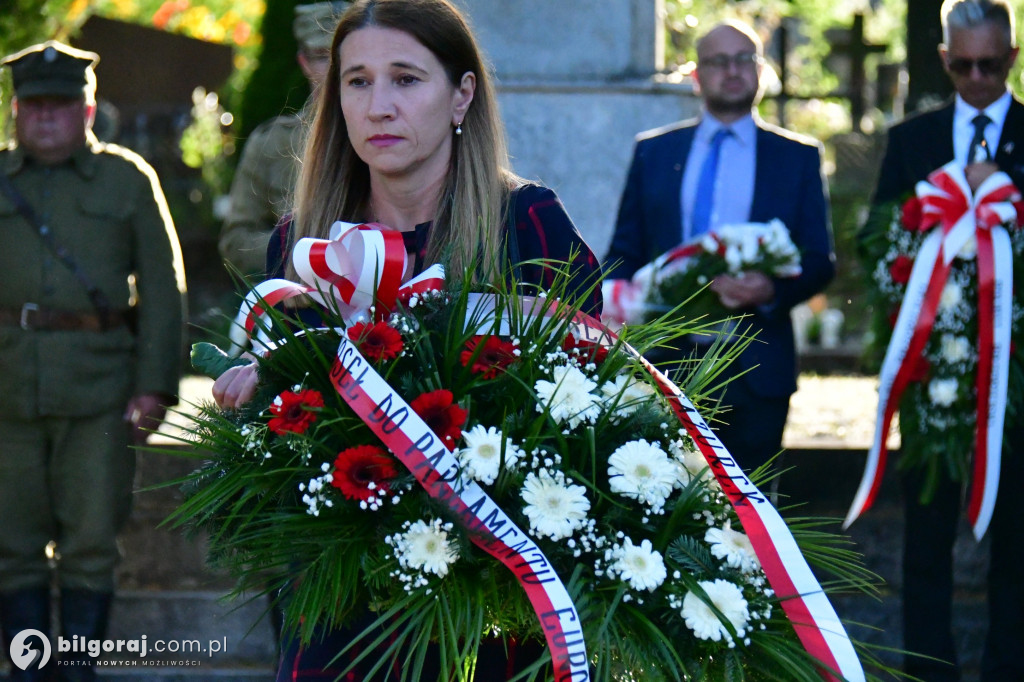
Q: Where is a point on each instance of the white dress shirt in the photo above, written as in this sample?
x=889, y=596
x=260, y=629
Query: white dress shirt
x=963, y=128
x=734, y=185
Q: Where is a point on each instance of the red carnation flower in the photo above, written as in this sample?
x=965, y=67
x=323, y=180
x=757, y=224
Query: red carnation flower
x=493, y=358
x=376, y=341
x=586, y=350
x=1019, y=205
x=357, y=467
x=900, y=269
x=910, y=214
x=441, y=414
x=294, y=412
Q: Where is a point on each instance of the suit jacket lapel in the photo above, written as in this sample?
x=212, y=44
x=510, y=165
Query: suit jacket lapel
x=673, y=165
x=1011, y=139
x=942, y=143
x=766, y=163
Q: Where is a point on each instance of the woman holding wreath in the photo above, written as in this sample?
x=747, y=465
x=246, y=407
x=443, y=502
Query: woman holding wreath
x=407, y=134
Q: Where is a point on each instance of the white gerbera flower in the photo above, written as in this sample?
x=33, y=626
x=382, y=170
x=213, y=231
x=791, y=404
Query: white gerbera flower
x=425, y=547
x=626, y=393
x=568, y=397
x=555, y=507
x=481, y=457
x=955, y=348
x=642, y=471
x=732, y=546
x=951, y=296
x=640, y=565
x=942, y=391
x=727, y=598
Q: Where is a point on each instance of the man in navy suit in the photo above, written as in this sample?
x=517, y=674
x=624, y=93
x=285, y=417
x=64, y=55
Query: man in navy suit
x=762, y=173
x=978, y=51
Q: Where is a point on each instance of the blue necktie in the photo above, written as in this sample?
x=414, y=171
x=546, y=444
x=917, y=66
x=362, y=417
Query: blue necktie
x=979, y=150
x=704, y=200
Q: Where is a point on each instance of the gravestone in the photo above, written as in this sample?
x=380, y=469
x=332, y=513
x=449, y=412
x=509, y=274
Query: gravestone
x=577, y=81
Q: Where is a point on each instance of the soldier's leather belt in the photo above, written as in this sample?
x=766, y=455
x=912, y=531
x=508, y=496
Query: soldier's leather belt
x=32, y=317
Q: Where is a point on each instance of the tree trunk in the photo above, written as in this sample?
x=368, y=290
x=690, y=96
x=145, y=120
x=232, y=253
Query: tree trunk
x=928, y=81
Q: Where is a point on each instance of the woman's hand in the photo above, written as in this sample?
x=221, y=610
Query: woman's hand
x=236, y=386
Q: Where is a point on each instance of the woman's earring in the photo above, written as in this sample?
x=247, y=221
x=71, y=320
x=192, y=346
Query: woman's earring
x=458, y=128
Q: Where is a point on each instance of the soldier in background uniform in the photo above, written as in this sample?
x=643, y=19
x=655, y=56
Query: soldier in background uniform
x=91, y=308
x=262, y=187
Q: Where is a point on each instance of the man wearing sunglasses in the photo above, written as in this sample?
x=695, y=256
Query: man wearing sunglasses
x=982, y=129
x=979, y=49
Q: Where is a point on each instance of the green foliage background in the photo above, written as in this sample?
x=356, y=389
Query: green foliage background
x=276, y=84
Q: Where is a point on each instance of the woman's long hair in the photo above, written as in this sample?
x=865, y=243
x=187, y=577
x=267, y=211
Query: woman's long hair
x=334, y=182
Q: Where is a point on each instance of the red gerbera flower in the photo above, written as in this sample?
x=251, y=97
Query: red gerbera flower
x=377, y=341
x=493, y=358
x=585, y=350
x=900, y=269
x=357, y=467
x=910, y=214
x=294, y=412
x=440, y=413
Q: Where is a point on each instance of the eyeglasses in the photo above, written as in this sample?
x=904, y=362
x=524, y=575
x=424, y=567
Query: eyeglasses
x=987, y=66
x=722, y=61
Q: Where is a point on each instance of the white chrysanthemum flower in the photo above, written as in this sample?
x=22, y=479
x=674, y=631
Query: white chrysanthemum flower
x=733, y=258
x=942, y=391
x=694, y=465
x=750, y=245
x=640, y=565
x=568, y=397
x=951, y=296
x=732, y=546
x=727, y=598
x=555, y=507
x=642, y=471
x=425, y=547
x=709, y=243
x=955, y=348
x=626, y=393
x=481, y=456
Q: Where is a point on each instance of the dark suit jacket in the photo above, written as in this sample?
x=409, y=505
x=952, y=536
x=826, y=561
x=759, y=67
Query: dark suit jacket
x=788, y=185
x=924, y=142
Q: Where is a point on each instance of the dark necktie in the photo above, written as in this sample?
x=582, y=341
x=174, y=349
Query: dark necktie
x=979, y=151
x=704, y=200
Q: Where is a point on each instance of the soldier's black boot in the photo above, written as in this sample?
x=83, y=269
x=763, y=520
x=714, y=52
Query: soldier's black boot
x=21, y=610
x=83, y=614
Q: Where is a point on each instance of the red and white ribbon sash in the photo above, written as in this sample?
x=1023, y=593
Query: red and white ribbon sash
x=424, y=454
x=806, y=605
x=947, y=200
x=359, y=266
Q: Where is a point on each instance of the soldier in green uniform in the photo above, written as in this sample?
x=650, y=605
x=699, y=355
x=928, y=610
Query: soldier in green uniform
x=262, y=187
x=91, y=308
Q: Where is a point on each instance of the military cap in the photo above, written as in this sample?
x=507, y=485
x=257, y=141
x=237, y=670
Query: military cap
x=315, y=23
x=52, y=68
